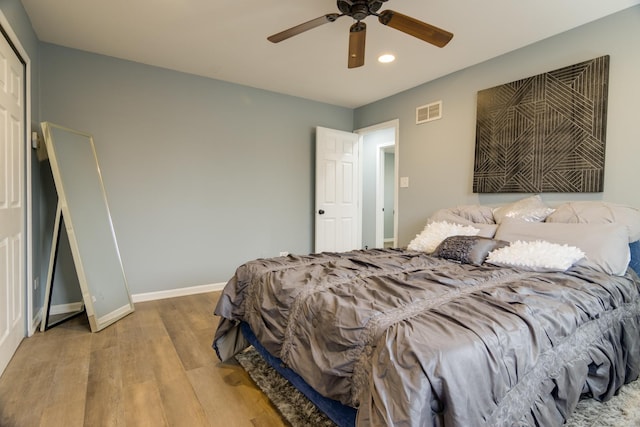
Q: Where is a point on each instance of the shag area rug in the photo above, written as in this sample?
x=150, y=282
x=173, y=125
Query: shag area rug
x=621, y=411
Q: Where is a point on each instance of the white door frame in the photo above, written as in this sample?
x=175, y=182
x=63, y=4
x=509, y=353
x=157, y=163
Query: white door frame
x=31, y=322
x=395, y=123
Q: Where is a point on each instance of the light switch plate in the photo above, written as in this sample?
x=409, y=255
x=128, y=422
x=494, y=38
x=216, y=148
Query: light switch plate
x=35, y=140
x=404, y=182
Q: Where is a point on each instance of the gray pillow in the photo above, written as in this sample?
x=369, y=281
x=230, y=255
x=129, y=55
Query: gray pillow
x=465, y=214
x=467, y=249
x=598, y=212
x=606, y=246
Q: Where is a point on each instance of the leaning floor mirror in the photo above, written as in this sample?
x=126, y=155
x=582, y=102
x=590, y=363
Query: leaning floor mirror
x=83, y=215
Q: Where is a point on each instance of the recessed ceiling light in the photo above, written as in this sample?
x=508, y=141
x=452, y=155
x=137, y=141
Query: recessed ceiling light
x=387, y=57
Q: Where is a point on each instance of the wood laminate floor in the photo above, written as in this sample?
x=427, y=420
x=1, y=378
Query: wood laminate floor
x=153, y=368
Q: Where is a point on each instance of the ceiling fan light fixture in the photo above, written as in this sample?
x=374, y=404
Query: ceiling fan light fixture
x=386, y=58
x=358, y=10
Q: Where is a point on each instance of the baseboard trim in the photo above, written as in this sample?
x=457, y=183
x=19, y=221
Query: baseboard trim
x=179, y=292
x=66, y=308
x=35, y=323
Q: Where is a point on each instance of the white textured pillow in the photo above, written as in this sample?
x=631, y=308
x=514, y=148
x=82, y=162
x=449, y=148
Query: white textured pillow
x=531, y=209
x=435, y=232
x=536, y=256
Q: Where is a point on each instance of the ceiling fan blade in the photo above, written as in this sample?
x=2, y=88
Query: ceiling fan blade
x=357, y=36
x=414, y=27
x=301, y=28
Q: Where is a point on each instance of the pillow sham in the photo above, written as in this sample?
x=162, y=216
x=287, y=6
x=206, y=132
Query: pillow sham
x=435, y=232
x=599, y=212
x=486, y=230
x=467, y=249
x=531, y=209
x=538, y=255
x=606, y=246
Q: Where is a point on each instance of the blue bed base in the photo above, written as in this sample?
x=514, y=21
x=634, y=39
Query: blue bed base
x=342, y=415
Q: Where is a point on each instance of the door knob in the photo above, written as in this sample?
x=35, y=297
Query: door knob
x=321, y=211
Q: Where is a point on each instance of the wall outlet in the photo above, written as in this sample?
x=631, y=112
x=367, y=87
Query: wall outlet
x=284, y=253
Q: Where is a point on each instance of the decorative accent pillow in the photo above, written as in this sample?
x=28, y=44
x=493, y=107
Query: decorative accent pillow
x=597, y=212
x=435, y=232
x=606, y=245
x=530, y=209
x=634, y=264
x=538, y=255
x=467, y=249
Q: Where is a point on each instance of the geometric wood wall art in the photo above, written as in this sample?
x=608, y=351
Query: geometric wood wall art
x=545, y=133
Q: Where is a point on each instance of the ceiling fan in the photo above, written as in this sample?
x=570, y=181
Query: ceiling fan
x=359, y=10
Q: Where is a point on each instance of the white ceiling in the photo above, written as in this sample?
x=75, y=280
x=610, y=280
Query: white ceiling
x=226, y=39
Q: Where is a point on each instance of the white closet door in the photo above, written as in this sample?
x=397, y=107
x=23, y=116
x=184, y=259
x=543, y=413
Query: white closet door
x=12, y=203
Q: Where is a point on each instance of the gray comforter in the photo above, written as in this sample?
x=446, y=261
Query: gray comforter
x=413, y=340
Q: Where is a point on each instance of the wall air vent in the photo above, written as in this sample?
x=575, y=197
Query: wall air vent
x=429, y=112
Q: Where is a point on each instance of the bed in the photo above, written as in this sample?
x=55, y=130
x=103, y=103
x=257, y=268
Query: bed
x=491, y=317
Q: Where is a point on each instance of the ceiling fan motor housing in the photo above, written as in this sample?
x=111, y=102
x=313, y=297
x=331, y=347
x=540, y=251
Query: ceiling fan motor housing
x=359, y=9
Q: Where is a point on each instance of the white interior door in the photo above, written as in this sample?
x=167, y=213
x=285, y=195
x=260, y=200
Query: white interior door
x=337, y=191
x=12, y=203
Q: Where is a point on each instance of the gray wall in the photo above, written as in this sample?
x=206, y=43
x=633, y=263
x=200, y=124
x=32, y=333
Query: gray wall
x=438, y=156
x=201, y=175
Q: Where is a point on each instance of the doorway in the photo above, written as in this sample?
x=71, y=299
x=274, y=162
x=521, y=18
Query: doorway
x=379, y=180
